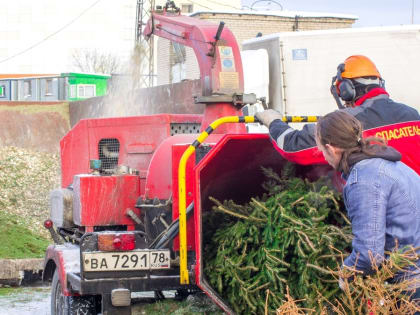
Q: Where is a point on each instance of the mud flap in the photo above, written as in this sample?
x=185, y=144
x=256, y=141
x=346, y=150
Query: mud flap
x=109, y=309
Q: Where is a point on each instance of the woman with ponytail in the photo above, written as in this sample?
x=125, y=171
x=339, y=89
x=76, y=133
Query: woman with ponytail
x=381, y=194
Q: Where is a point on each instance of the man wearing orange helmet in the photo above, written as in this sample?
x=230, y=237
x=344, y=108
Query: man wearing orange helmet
x=359, y=84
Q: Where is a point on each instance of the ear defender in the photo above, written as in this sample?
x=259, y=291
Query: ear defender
x=345, y=87
x=381, y=83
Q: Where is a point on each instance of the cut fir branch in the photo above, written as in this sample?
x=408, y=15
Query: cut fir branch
x=287, y=241
x=289, y=244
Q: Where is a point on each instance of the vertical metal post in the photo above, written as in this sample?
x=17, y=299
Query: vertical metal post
x=283, y=82
x=412, y=11
x=144, y=9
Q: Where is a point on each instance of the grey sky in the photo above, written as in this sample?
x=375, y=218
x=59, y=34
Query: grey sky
x=370, y=12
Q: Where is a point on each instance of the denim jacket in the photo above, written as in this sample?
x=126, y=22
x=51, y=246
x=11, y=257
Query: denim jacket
x=383, y=203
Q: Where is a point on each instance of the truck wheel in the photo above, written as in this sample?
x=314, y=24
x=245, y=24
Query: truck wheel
x=69, y=305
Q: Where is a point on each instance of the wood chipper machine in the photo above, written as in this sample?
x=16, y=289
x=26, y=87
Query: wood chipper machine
x=128, y=215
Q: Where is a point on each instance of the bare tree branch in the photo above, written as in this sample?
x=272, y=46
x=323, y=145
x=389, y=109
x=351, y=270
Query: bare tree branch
x=95, y=61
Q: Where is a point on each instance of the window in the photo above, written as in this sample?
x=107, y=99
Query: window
x=178, y=72
x=49, y=87
x=178, y=67
x=86, y=90
x=73, y=91
x=186, y=8
x=27, y=88
x=2, y=90
x=179, y=53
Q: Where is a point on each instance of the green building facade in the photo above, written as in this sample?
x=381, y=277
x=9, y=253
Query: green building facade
x=84, y=85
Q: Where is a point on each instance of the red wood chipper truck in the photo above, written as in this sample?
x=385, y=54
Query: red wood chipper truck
x=128, y=215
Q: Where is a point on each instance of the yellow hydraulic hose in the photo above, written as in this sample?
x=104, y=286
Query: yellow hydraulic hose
x=182, y=205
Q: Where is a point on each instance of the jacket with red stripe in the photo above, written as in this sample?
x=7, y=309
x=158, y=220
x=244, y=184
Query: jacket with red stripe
x=380, y=116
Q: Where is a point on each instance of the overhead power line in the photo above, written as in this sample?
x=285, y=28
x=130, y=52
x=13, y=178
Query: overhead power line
x=51, y=35
x=224, y=4
x=193, y=2
x=215, y=2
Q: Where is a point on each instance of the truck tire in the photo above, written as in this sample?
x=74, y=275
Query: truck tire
x=69, y=305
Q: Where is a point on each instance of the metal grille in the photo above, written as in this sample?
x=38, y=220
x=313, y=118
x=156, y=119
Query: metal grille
x=177, y=128
x=109, y=150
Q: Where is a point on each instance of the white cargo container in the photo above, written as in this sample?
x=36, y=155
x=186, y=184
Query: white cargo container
x=301, y=64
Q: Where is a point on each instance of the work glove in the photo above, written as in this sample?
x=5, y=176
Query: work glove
x=345, y=276
x=342, y=284
x=266, y=117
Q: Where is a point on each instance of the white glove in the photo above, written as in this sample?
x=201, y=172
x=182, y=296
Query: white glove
x=342, y=284
x=267, y=116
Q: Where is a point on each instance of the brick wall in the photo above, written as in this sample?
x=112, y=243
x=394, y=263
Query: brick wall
x=247, y=26
x=243, y=26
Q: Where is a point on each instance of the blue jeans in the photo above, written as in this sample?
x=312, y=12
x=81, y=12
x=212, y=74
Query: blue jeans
x=416, y=297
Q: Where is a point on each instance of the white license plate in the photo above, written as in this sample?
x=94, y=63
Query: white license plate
x=119, y=261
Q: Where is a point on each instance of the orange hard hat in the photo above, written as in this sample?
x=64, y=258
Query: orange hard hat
x=359, y=66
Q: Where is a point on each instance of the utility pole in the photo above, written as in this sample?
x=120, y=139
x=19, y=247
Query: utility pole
x=144, y=9
x=412, y=11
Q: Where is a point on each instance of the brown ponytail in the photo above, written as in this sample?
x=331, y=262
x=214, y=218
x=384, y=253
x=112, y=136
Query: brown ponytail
x=344, y=131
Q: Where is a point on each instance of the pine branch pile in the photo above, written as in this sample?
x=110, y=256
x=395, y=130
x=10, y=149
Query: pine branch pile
x=293, y=237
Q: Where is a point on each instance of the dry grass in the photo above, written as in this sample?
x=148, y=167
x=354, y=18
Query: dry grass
x=372, y=294
x=26, y=179
x=290, y=306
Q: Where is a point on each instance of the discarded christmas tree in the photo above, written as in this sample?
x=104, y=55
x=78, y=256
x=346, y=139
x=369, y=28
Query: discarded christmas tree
x=290, y=237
